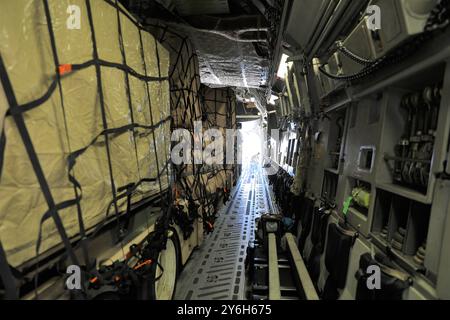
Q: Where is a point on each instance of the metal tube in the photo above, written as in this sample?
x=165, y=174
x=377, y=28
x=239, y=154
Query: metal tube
x=302, y=271
x=274, y=275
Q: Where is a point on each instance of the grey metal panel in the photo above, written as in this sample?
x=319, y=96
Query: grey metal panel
x=443, y=283
x=304, y=17
x=436, y=229
x=401, y=19
x=360, y=247
x=362, y=132
x=359, y=42
x=411, y=74
x=442, y=139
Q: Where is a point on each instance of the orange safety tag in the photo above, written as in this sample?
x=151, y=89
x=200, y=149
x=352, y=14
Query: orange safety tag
x=143, y=264
x=64, y=69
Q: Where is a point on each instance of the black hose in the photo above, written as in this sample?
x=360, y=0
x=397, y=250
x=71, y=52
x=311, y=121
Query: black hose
x=439, y=20
x=353, y=56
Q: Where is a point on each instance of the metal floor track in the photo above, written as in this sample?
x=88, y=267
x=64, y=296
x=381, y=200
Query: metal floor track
x=216, y=270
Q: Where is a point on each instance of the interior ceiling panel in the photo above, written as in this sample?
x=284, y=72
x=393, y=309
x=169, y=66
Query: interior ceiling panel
x=304, y=13
x=227, y=49
x=197, y=7
x=224, y=62
x=233, y=39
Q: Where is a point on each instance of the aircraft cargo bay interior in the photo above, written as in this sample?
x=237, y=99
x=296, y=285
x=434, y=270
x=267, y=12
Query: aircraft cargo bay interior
x=202, y=150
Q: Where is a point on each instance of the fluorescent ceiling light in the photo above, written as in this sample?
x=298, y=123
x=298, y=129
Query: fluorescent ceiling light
x=283, y=67
x=251, y=100
x=273, y=99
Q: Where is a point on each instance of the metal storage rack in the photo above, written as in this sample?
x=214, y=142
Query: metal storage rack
x=375, y=124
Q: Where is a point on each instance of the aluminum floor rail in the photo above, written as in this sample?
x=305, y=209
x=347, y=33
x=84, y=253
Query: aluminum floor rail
x=216, y=271
x=301, y=273
x=274, y=272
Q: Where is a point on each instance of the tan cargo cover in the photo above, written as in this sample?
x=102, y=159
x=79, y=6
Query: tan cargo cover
x=56, y=132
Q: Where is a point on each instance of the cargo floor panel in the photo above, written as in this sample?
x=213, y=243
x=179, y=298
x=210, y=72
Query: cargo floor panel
x=216, y=271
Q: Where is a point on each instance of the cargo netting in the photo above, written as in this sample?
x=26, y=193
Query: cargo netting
x=201, y=185
x=85, y=128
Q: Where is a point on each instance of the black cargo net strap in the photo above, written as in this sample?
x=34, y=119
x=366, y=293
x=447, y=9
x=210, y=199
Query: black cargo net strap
x=58, y=79
x=162, y=225
x=123, y=191
x=187, y=108
x=104, y=119
x=78, y=67
x=195, y=115
x=129, y=190
x=213, y=104
x=184, y=99
x=20, y=123
x=113, y=132
x=227, y=116
x=168, y=213
x=161, y=228
x=127, y=87
x=187, y=89
x=103, y=109
x=2, y=150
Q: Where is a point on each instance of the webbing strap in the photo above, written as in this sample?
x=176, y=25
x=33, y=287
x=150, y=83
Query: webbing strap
x=16, y=111
x=165, y=29
x=150, y=108
x=128, y=192
x=113, y=131
x=49, y=214
x=179, y=55
x=23, y=131
x=127, y=86
x=102, y=105
x=58, y=79
x=168, y=212
x=9, y=282
x=186, y=95
x=2, y=150
x=159, y=229
x=77, y=67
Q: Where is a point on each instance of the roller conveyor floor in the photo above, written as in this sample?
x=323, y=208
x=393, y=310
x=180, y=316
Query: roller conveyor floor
x=216, y=271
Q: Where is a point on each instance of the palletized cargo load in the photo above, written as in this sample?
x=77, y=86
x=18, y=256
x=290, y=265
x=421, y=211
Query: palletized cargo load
x=220, y=112
x=85, y=116
x=200, y=184
x=184, y=80
x=220, y=107
x=186, y=108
